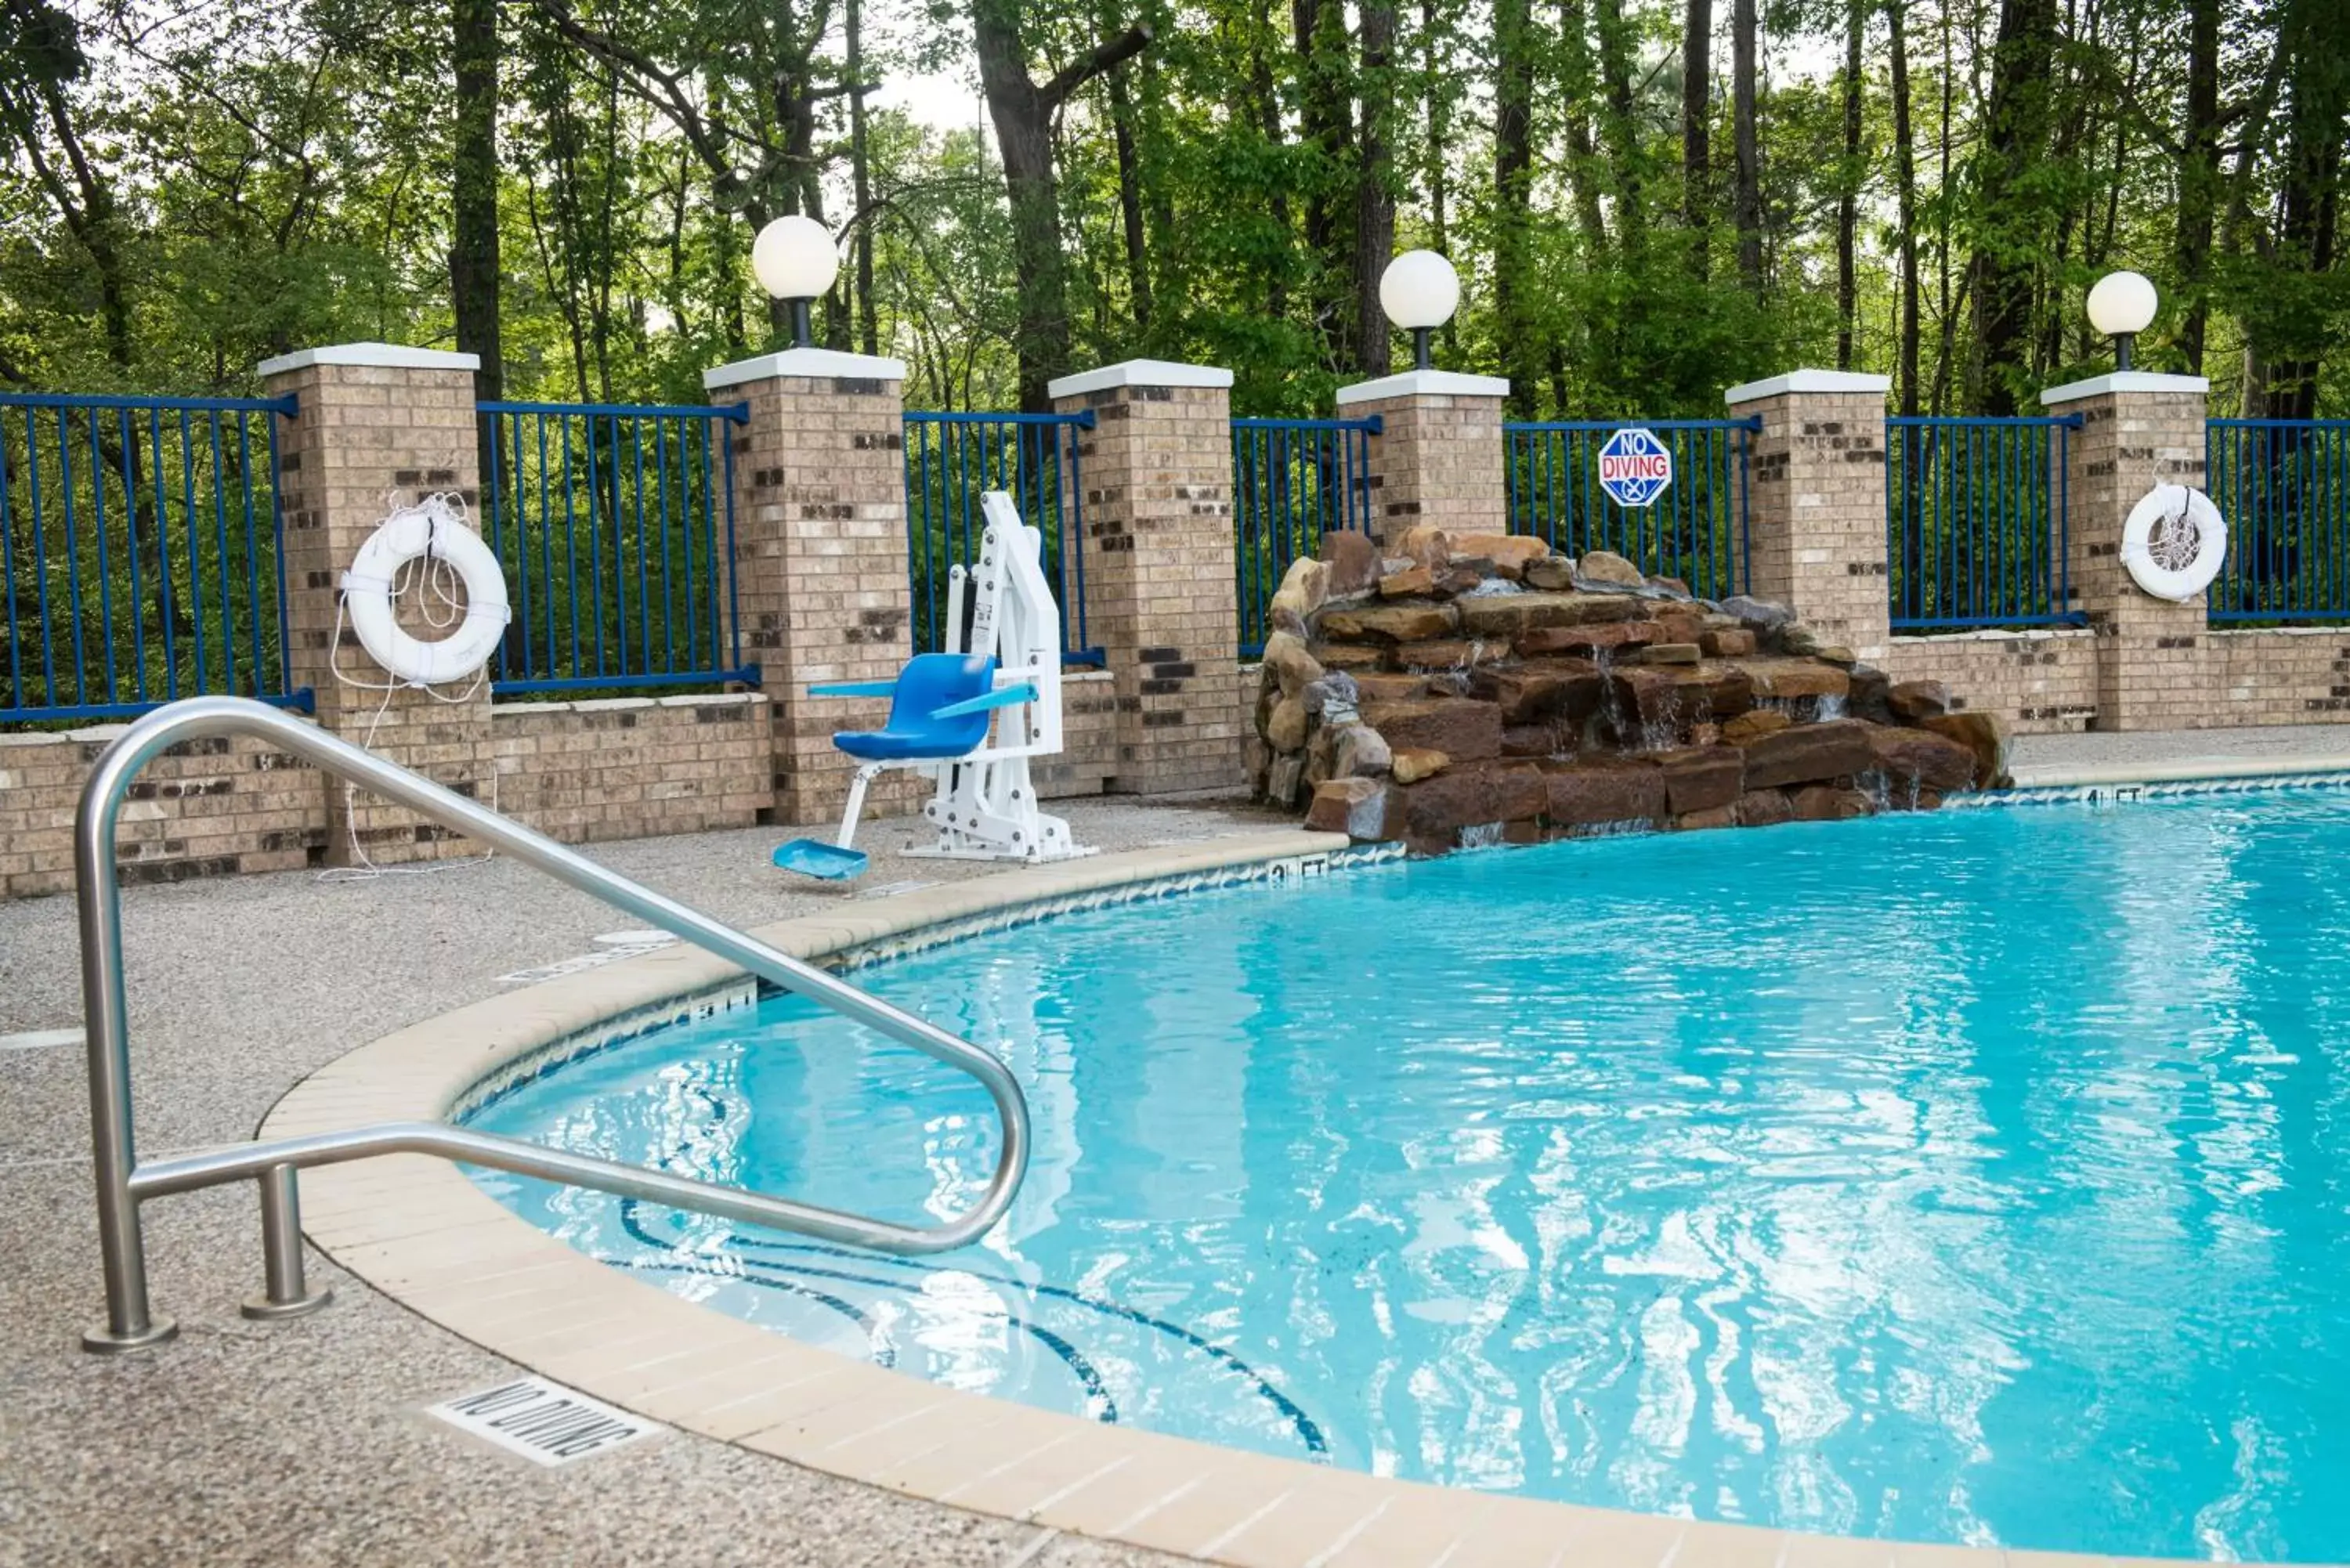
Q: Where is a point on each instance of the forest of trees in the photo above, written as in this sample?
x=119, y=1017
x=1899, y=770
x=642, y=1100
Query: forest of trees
x=1646, y=199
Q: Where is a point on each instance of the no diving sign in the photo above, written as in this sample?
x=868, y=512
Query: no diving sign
x=1635, y=467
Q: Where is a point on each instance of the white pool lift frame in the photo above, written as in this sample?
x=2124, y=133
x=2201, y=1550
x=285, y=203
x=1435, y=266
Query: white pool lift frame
x=984, y=805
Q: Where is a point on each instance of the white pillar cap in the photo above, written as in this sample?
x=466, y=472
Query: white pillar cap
x=1139, y=373
x=821, y=363
x=1808, y=381
x=2124, y=381
x=377, y=356
x=1424, y=384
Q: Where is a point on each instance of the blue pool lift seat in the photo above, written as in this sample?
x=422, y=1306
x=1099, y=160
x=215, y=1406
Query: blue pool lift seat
x=930, y=718
x=941, y=706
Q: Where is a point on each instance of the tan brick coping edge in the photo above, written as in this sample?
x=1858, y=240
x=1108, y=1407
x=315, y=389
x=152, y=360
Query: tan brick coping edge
x=417, y=1230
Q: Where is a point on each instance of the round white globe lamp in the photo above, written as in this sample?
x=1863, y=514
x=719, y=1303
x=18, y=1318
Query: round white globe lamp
x=1419, y=291
x=2121, y=305
x=796, y=261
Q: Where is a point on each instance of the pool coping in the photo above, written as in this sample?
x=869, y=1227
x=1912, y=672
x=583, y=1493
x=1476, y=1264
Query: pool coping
x=417, y=1230
x=2240, y=771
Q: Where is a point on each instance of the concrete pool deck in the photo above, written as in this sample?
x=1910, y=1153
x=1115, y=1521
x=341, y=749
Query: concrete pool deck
x=303, y=1441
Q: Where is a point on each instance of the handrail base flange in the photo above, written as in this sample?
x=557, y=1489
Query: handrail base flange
x=106, y=1342
x=261, y=1309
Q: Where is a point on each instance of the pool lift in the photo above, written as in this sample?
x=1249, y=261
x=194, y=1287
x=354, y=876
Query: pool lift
x=970, y=715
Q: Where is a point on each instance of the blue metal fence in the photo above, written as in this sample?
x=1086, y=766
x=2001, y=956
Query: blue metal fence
x=615, y=526
x=1696, y=531
x=2283, y=486
x=139, y=553
x=1976, y=522
x=951, y=461
x=1292, y=481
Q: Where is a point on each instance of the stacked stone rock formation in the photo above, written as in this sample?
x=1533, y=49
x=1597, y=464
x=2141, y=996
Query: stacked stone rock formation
x=1480, y=688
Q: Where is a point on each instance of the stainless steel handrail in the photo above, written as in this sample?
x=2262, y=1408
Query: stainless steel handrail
x=123, y=1183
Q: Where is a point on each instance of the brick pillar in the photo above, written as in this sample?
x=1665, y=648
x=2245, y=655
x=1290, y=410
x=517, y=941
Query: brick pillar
x=2137, y=430
x=1438, y=457
x=820, y=557
x=1161, y=597
x=376, y=426
x=1815, y=518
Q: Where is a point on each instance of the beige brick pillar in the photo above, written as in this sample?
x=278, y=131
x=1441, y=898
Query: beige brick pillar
x=820, y=558
x=1162, y=594
x=1816, y=517
x=2137, y=430
x=376, y=426
x=1438, y=457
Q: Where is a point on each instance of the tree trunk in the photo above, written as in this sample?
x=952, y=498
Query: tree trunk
x=1513, y=280
x=1375, y=205
x=1439, y=108
x=1621, y=125
x=1023, y=113
x=1023, y=136
x=1747, y=202
x=1849, y=186
x=1697, y=150
x=2292, y=340
x=474, y=189
x=861, y=175
x=1268, y=111
x=1905, y=175
x=1325, y=120
x=1577, y=76
x=2198, y=178
x=1129, y=199
x=2008, y=234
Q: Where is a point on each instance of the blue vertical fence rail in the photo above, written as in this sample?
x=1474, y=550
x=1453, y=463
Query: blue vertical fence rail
x=615, y=526
x=139, y=553
x=1292, y=481
x=1977, y=523
x=951, y=460
x=2283, y=487
x=1696, y=531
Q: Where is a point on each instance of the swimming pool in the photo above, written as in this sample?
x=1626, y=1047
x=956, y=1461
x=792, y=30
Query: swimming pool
x=1979, y=1176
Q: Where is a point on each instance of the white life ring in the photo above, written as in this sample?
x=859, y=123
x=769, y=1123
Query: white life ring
x=2174, y=542
x=410, y=532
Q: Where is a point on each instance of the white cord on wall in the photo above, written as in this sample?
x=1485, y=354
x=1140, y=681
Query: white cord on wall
x=434, y=582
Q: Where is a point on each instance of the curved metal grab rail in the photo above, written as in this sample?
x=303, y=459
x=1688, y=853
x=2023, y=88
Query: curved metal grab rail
x=123, y=1183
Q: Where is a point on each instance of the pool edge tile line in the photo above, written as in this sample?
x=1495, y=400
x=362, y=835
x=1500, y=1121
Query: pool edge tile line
x=2125, y=789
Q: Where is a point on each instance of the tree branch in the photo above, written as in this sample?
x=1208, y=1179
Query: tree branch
x=1124, y=47
x=707, y=139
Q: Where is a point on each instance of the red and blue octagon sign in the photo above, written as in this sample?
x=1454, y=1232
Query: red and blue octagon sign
x=1635, y=467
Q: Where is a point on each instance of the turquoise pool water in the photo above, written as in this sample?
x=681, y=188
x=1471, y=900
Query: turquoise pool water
x=1981, y=1177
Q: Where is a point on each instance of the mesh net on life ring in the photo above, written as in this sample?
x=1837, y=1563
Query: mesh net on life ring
x=2175, y=541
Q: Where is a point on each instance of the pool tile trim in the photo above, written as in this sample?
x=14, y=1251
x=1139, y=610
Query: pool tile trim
x=417, y=1230
x=2132, y=786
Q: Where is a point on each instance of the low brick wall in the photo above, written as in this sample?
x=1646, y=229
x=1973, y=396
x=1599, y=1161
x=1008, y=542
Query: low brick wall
x=634, y=767
x=2040, y=683
x=579, y=772
x=1088, y=738
x=1089, y=760
x=2300, y=676
x=2046, y=682
x=204, y=808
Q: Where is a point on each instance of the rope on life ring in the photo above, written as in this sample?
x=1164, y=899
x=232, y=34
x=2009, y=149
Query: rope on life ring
x=430, y=530
x=2174, y=542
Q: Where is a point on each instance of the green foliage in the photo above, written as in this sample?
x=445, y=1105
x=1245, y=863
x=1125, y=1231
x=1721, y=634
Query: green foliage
x=189, y=192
